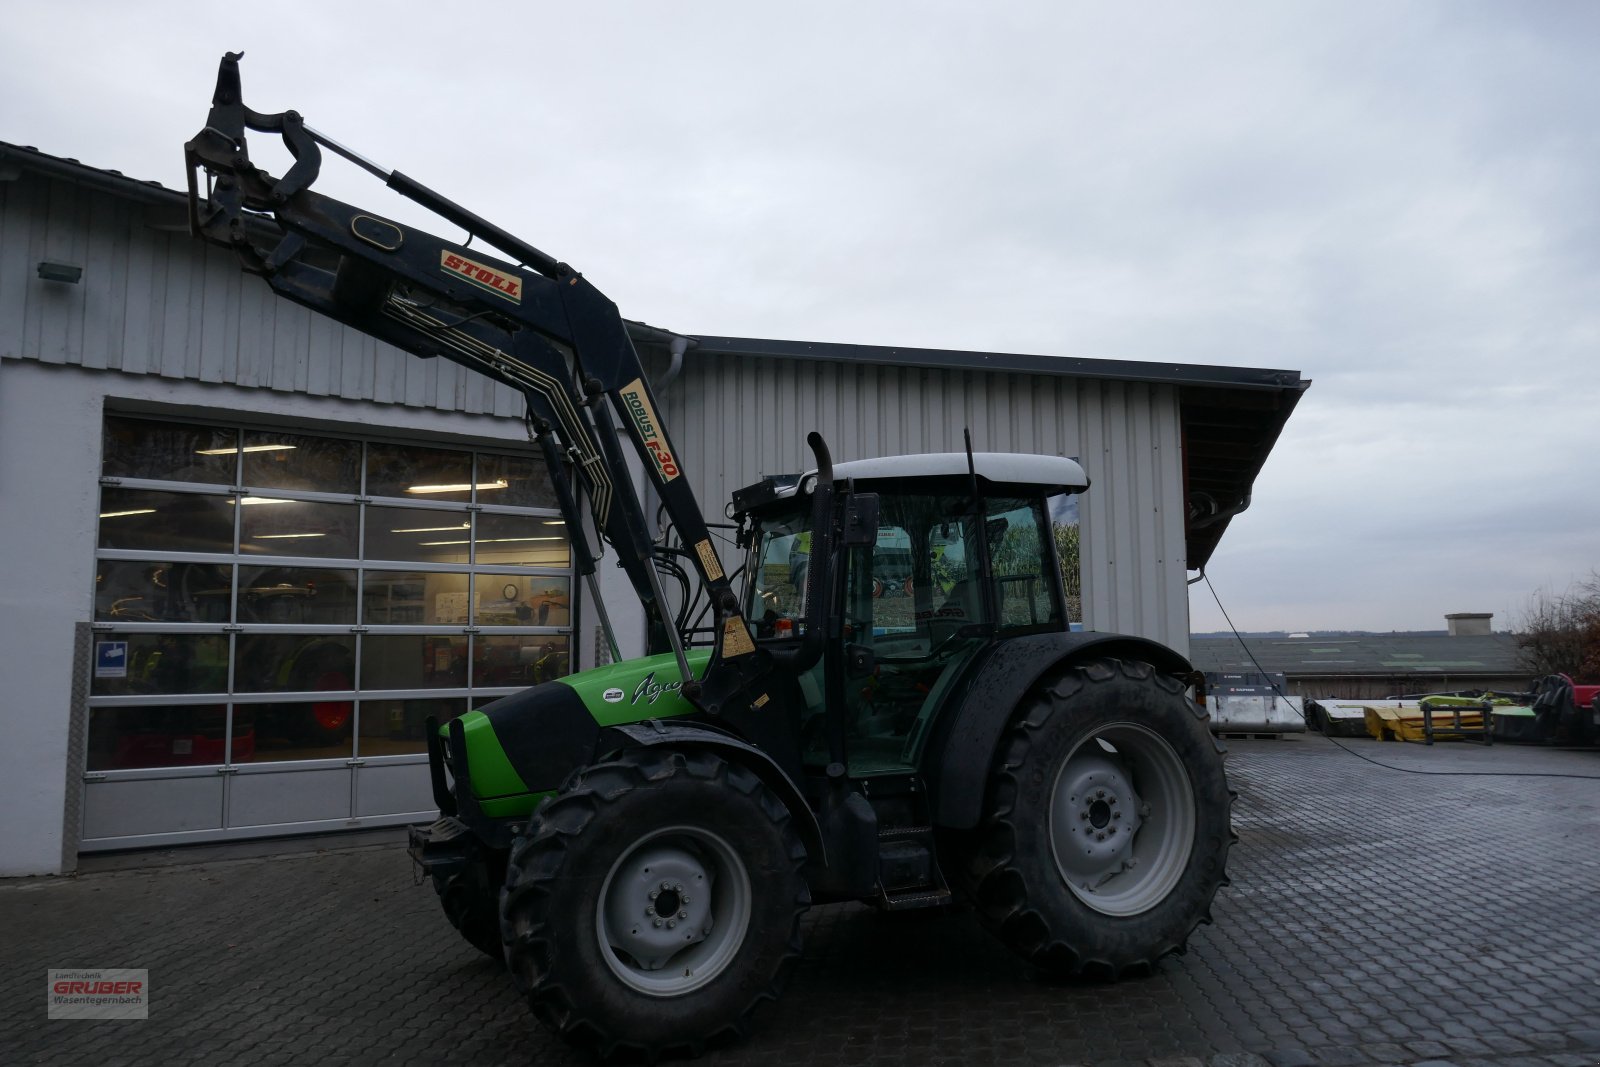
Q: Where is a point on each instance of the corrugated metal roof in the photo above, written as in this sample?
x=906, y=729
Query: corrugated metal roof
x=1377, y=654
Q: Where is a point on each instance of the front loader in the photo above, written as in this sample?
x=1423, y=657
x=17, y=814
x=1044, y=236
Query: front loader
x=892, y=707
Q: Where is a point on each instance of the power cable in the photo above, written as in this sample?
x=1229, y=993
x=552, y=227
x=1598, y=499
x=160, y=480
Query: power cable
x=1377, y=763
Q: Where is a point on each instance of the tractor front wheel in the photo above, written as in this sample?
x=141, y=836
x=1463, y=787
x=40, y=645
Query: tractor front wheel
x=1108, y=830
x=654, y=903
x=470, y=899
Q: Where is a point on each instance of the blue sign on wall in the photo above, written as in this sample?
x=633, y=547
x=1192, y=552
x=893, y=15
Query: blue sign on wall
x=111, y=659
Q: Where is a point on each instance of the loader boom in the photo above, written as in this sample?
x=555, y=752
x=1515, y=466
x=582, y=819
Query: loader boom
x=532, y=323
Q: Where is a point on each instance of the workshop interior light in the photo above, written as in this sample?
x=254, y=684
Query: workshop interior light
x=498, y=483
x=487, y=540
x=230, y=450
x=434, y=529
x=52, y=271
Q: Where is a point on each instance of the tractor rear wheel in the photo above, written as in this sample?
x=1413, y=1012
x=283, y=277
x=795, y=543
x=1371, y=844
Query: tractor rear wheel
x=1108, y=829
x=654, y=903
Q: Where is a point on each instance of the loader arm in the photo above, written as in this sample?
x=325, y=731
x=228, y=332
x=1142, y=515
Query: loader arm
x=534, y=324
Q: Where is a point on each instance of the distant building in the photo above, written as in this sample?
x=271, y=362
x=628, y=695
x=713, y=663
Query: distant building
x=1361, y=666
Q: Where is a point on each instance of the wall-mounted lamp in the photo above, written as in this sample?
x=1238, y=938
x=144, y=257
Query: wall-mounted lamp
x=60, y=272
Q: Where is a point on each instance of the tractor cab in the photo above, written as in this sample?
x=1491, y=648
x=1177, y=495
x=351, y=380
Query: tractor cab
x=964, y=556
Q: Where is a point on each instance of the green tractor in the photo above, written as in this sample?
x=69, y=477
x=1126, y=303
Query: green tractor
x=909, y=719
x=643, y=868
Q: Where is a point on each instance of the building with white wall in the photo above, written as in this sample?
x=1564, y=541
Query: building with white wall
x=250, y=549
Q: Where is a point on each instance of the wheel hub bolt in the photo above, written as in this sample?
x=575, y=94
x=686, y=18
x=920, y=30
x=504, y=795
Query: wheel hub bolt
x=657, y=924
x=671, y=923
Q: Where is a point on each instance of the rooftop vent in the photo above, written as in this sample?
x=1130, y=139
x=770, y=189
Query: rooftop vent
x=1469, y=623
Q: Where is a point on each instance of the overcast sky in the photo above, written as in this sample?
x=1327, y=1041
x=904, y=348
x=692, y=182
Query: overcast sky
x=1399, y=200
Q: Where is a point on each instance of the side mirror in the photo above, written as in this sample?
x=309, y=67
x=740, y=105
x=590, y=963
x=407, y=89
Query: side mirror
x=860, y=520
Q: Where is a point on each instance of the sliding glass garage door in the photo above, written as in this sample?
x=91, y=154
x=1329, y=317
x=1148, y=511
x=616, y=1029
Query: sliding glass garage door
x=276, y=613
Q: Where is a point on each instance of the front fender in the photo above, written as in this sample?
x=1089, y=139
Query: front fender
x=961, y=751
x=686, y=735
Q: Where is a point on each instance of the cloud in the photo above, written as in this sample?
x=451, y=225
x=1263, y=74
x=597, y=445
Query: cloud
x=1397, y=200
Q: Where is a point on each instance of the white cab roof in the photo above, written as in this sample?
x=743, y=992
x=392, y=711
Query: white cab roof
x=1015, y=467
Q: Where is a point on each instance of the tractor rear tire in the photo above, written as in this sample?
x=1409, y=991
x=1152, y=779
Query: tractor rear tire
x=1108, y=830
x=470, y=899
x=654, y=904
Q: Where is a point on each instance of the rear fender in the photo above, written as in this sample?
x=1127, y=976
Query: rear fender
x=961, y=751
x=694, y=736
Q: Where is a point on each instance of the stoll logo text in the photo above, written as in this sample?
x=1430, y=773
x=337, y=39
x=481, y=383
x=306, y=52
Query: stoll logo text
x=106, y=993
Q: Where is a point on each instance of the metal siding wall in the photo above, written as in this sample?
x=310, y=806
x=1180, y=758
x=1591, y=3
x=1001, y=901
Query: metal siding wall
x=734, y=420
x=155, y=301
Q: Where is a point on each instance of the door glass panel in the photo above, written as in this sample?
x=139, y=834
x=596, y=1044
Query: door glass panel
x=141, y=591
x=131, y=663
x=296, y=461
x=526, y=481
x=521, y=541
x=395, y=727
x=419, y=473
x=415, y=598
x=296, y=595
x=271, y=526
x=150, y=520
x=264, y=733
x=294, y=663
x=413, y=661
x=520, y=600
x=169, y=451
x=417, y=535
x=518, y=659
x=156, y=736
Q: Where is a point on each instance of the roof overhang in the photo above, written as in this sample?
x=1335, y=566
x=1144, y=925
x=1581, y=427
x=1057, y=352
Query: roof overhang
x=1230, y=417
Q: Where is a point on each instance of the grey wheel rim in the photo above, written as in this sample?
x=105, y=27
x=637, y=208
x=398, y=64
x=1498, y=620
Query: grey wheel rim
x=673, y=911
x=1122, y=819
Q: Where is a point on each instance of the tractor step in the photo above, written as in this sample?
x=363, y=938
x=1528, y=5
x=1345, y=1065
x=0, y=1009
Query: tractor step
x=908, y=870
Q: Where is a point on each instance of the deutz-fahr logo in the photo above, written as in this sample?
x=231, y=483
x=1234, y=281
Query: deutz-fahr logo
x=645, y=425
x=481, y=275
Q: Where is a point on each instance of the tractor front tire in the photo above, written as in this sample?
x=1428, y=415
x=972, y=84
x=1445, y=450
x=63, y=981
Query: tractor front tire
x=1108, y=830
x=471, y=901
x=654, y=903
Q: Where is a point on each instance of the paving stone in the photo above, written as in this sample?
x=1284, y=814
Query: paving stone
x=1430, y=1050
x=1325, y=952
